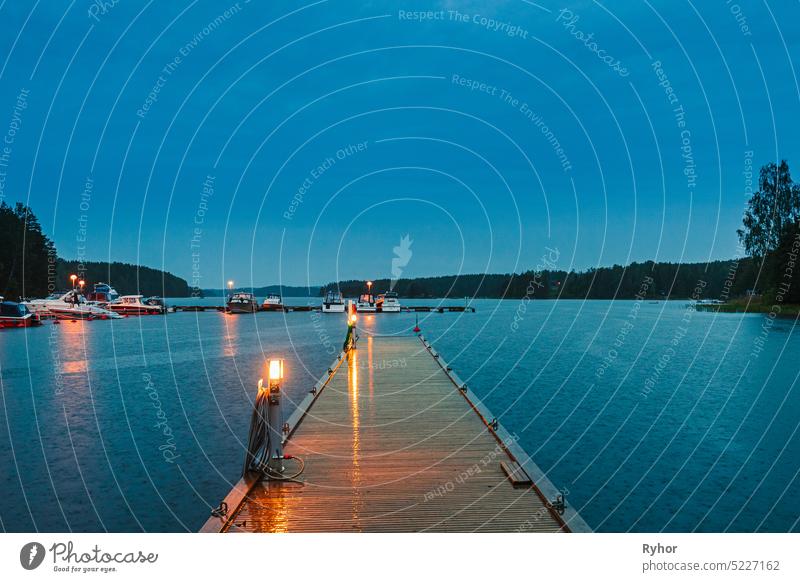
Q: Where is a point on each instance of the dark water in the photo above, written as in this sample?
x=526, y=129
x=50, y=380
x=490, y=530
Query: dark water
x=651, y=416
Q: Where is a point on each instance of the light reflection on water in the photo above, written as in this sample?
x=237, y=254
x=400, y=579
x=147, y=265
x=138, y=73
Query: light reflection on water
x=712, y=444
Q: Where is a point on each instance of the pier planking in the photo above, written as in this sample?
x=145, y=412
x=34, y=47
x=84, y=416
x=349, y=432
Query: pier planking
x=393, y=443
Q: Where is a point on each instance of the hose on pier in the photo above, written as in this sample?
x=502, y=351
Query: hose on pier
x=259, y=443
x=272, y=476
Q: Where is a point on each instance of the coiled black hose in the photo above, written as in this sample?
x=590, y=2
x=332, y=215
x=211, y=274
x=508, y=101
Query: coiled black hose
x=258, y=441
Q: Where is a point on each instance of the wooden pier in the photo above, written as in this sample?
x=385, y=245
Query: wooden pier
x=394, y=441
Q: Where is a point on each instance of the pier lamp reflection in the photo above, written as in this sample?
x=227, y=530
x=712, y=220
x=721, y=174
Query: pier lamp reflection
x=352, y=385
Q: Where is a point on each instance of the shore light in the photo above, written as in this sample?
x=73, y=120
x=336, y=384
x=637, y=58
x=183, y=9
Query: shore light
x=275, y=368
x=73, y=278
x=369, y=285
x=230, y=284
x=81, y=283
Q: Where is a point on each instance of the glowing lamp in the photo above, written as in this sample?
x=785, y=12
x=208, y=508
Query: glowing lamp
x=81, y=283
x=369, y=284
x=275, y=368
x=353, y=318
x=230, y=284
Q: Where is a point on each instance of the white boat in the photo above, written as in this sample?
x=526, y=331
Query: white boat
x=388, y=302
x=709, y=302
x=366, y=304
x=272, y=302
x=138, y=305
x=334, y=303
x=40, y=305
x=242, y=303
x=69, y=305
x=102, y=294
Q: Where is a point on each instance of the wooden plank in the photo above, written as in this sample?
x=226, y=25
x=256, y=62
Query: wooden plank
x=393, y=446
x=515, y=474
x=229, y=506
x=544, y=488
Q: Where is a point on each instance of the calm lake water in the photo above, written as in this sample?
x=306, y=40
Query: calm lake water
x=653, y=417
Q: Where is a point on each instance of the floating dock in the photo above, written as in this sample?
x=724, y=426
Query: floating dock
x=394, y=441
x=292, y=308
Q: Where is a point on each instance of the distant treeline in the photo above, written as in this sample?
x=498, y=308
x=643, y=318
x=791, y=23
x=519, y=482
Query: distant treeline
x=29, y=266
x=714, y=280
x=125, y=278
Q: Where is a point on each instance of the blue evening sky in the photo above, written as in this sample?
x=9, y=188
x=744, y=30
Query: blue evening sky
x=299, y=142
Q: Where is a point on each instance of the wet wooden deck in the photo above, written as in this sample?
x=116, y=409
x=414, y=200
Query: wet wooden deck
x=394, y=441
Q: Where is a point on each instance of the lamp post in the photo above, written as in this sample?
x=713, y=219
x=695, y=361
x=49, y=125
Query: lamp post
x=352, y=318
x=369, y=290
x=73, y=278
x=81, y=283
x=275, y=375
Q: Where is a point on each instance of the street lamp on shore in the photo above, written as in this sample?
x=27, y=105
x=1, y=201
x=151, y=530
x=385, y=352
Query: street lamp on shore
x=73, y=278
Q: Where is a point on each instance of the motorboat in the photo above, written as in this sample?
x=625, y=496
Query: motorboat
x=366, y=304
x=242, y=303
x=333, y=303
x=39, y=306
x=155, y=300
x=14, y=314
x=709, y=302
x=273, y=302
x=102, y=294
x=138, y=305
x=69, y=305
x=388, y=302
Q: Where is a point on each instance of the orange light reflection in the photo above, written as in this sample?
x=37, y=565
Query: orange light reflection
x=352, y=387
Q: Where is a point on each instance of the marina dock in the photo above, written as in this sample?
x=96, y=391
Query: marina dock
x=293, y=308
x=392, y=440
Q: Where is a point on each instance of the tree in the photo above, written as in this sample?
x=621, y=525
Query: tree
x=781, y=276
x=770, y=211
x=27, y=256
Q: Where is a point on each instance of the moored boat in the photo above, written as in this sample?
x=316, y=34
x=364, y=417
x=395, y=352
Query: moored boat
x=366, y=304
x=69, y=305
x=242, y=303
x=137, y=305
x=388, y=302
x=333, y=303
x=273, y=302
x=102, y=294
x=14, y=314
